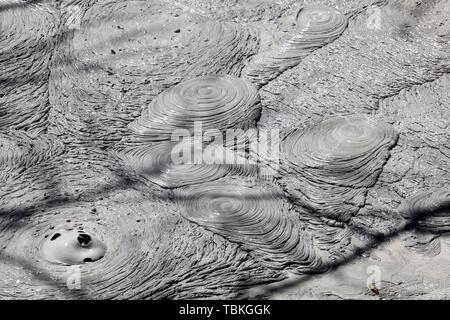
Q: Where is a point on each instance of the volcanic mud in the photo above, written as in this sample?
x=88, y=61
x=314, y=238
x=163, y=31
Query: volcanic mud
x=95, y=205
x=313, y=28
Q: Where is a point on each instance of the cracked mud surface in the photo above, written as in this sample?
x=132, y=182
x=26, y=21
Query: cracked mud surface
x=90, y=92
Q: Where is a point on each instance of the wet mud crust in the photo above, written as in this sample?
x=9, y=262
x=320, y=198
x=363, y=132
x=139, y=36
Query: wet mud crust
x=92, y=91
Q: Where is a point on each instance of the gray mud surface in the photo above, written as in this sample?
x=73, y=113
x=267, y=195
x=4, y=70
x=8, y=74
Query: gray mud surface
x=90, y=92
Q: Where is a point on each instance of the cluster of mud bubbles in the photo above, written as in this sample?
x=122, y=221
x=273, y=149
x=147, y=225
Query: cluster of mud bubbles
x=91, y=93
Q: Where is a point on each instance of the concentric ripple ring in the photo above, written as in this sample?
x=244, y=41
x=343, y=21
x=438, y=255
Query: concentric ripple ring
x=335, y=161
x=254, y=215
x=316, y=27
x=214, y=102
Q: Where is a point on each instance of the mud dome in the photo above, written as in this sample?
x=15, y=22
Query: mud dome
x=68, y=246
x=92, y=91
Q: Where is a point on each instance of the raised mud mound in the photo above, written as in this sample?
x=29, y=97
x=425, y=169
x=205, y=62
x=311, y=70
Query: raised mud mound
x=314, y=27
x=71, y=247
x=150, y=253
x=167, y=127
x=107, y=190
x=336, y=161
x=254, y=215
x=26, y=45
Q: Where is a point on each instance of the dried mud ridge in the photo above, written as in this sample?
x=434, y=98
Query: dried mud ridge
x=92, y=91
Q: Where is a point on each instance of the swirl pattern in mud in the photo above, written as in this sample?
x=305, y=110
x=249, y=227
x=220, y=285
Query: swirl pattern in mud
x=214, y=102
x=84, y=198
x=173, y=164
x=254, y=215
x=422, y=242
x=151, y=253
x=316, y=27
x=123, y=54
x=24, y=63
x=335, y=161
x=71, y=246
x=430, y=210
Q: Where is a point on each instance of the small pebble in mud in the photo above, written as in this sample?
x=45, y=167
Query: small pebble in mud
x=177, y=31
x=72, y=247
x=113, y=52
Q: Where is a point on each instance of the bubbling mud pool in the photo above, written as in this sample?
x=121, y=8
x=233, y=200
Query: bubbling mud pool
x=92, y=93
x=72, y=247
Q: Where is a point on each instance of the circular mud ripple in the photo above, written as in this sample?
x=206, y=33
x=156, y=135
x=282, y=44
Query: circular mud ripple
x=151, y=251
x=22, y=155
x=26, y=43
x=124, y=53
x=345, y=151
x=336, y=160
x=256, y=216
x=422, y=242
x=333, y=241
x=162, y=164
x=151, y=254
x=71, y=247
x=316, y=26
x=429, y=211
x=214, y=102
